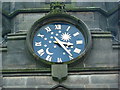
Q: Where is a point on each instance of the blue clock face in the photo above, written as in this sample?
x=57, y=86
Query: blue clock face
x=58, y=42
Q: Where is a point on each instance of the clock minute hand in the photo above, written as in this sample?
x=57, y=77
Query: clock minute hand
x=61, y=44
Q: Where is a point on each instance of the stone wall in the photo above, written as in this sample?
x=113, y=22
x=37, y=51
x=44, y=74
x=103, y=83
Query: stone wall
x=98, y=70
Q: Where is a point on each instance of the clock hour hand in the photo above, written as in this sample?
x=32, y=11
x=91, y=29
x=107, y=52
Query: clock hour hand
x=66, y=43
x=61, y=44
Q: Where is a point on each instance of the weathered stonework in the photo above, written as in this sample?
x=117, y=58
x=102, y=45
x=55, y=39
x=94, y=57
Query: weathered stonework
x=98, y=70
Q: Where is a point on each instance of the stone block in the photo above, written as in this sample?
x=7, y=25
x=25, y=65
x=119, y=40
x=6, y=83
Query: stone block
x=29, y=4
x=76, y=87
x=19, y=5
x=113, y=24
x=18, y=60
x=14, y=81
x=25, y=21
x=41, y=81
x=29, y=82
x=100, y=21
x=6, y=6
x=94, y=86
x=1, y=80
x=76, y=81
x=5, y=26
x=40, y=0
x=41, y=5
x=12, y=7
x=104, y=79
x=111, y=5
x=115, y=85
x=92, y=24
x=19, y=88
x=99, y=4
x=83, y=4
x=1, y=58
x=85, y=16
x=99, y=56
x=16, y=45
x=103, y=22
x=113, y=19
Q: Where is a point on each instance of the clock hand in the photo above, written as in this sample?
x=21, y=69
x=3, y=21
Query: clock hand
x=61, y=44
x=67, y=43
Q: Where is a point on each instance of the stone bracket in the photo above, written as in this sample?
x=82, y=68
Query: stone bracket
x=59, y=72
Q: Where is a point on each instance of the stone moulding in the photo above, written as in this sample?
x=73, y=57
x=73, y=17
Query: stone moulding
x=75, y=9
x=48, y=70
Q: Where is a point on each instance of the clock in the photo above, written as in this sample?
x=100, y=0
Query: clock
x=59, y=38
x=58, y=42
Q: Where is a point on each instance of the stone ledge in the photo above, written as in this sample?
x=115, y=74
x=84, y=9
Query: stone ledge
x=116, y=46
x=95, y=34
x=96, y=86
x=101, y=35
x=17, y=34
x=100, y=32
x=35, y=81
x=23, y=37
x=3, y=46
x=73, y=81
x=48, y=70
x=3, y=49
x=75, y=9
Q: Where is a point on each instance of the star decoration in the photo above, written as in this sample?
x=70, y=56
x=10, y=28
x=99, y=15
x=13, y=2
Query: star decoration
x=50, y=41
x=59, y=31
x=63, y=53
x=45, y=38
x=52, y=32
x=56, y=34
x=45, y=45
x=51, y=37
x=55, y=46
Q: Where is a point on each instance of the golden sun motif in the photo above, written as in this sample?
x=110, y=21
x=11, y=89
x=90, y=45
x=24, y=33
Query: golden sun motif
x=65, y=36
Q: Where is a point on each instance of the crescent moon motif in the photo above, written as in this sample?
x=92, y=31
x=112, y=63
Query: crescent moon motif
x=47, y=51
